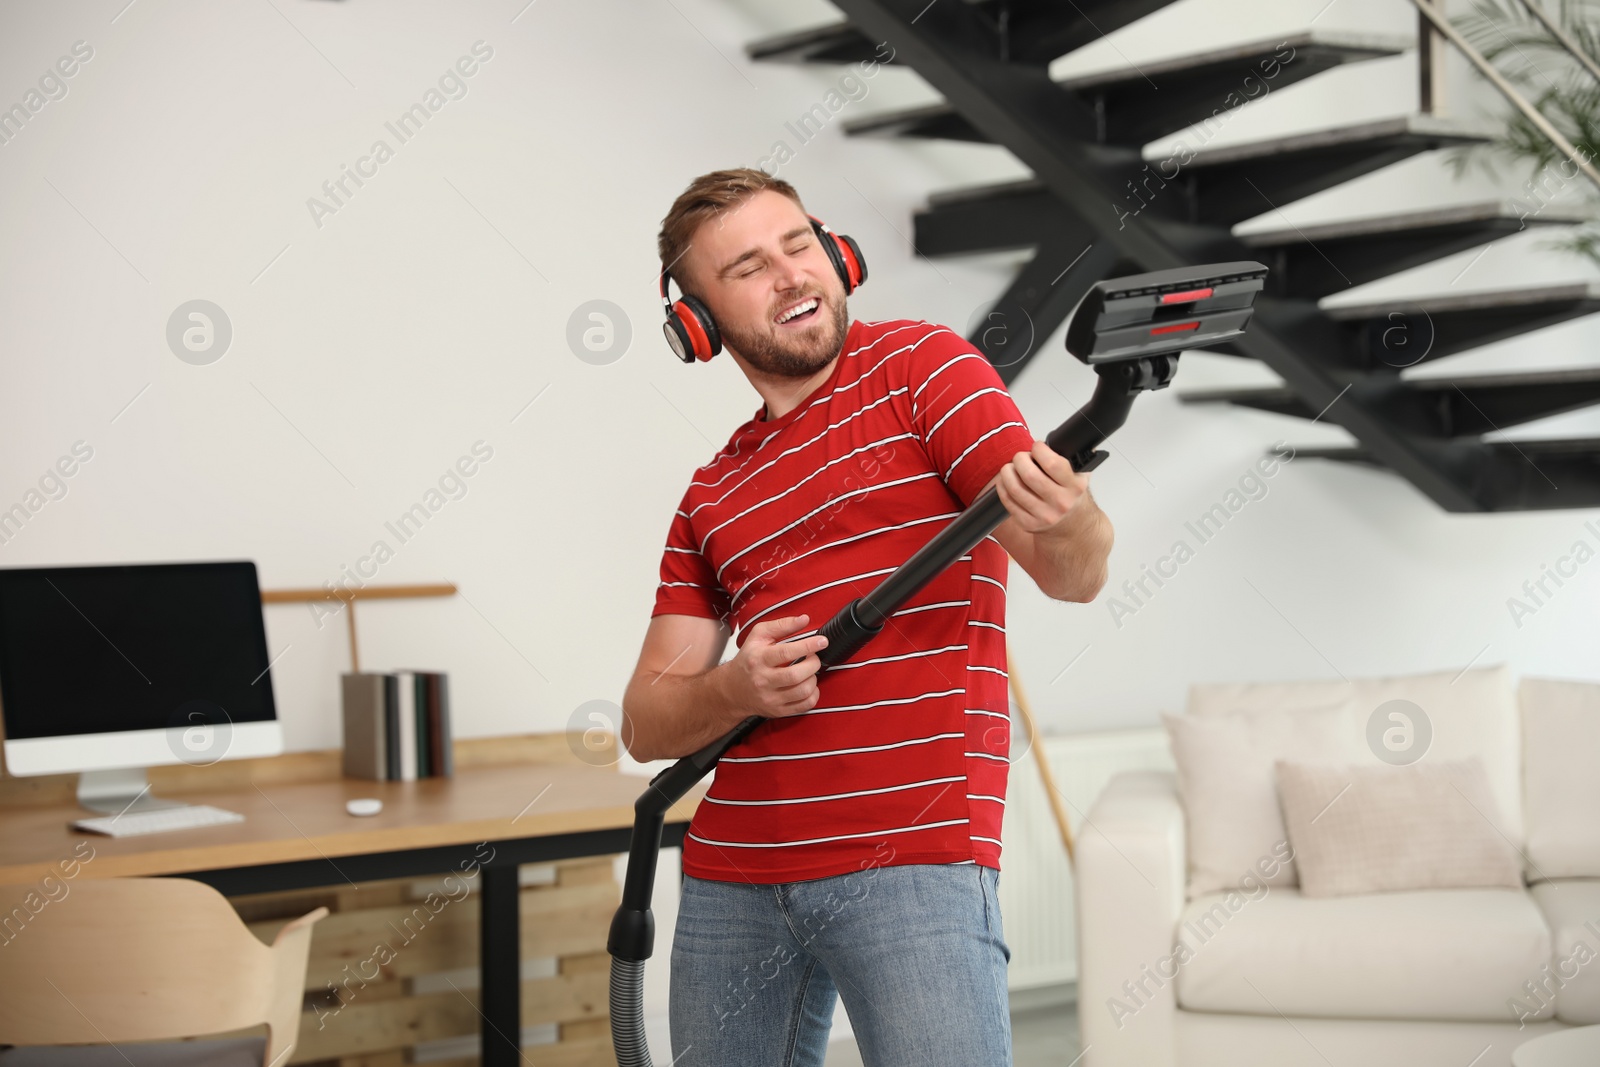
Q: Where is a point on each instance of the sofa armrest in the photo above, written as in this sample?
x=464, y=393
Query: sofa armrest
x=1131, y=871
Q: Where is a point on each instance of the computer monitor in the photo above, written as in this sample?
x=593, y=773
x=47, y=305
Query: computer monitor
x=106, y=670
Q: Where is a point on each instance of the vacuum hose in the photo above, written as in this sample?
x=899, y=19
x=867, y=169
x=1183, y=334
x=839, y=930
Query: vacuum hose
x=627, y=1013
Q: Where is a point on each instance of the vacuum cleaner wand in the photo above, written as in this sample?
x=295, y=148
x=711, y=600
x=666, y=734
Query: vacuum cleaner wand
x=1130, y=330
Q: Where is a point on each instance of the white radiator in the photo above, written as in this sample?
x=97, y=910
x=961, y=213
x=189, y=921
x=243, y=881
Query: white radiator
x=1036, y=893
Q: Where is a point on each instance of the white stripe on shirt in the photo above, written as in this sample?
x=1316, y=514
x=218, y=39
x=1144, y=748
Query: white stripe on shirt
x=826, y=585
x=841, y=751
x=892, y=659
x=885, y=703
x=835, y=837
x=835, y=796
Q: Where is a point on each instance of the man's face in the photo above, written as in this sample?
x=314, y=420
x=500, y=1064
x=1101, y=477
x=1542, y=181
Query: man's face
x=755, y=264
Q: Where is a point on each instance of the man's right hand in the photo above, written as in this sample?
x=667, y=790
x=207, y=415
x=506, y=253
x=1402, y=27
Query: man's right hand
x=765, y=679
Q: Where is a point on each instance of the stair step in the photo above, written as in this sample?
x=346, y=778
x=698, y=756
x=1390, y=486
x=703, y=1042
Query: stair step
x=937, y=121
x=1232, y=182
x=1042, y=30
x=986, y=190
x=1276, y=399
x=1467, y=302
x=1537, y=474
x=989, y=218
x=1315, y=259
x=1287, y=233
x=1134, y=106
x=836, y=42
x=1392, y=331
x=1442, y=407
x=1335, y=138
x=1039, y=31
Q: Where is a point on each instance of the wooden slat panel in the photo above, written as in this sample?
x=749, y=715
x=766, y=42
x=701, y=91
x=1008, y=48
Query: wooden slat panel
x=566, y=998
x=381, y=1026
x=588, y=1053
x=586, y=1030
x=350, y=946
x=595, y=962
x=349, y=898
x=366, y=1028
x=396, y=1058
x=601, y=870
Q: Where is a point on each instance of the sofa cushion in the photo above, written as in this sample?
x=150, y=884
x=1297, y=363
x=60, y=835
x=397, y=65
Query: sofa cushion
x=1561, y=739
x=1571, y=907
x=1429, y=954
x=1210, y=1039
x=1469, y=713
x=1382, y=829
x=1236, y=835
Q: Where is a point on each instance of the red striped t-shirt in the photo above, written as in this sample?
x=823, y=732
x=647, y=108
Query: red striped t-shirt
x=904, y=757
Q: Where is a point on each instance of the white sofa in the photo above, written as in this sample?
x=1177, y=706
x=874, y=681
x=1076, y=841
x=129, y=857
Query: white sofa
x=1448, y=977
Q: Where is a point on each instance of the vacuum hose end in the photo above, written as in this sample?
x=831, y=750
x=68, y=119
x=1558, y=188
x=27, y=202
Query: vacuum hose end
x=633, y=935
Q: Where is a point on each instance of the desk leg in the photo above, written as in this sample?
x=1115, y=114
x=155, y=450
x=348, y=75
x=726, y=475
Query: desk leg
x=500, y=963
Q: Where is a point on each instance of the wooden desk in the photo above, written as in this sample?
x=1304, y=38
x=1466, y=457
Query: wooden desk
x=298, y=835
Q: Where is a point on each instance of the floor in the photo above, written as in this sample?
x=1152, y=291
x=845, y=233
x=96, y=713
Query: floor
x=1040, y=1037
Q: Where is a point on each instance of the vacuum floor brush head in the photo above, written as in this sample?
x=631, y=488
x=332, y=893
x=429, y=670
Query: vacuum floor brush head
x=1164, y=311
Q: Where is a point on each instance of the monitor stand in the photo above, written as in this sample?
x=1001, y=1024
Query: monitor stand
x=116, y=791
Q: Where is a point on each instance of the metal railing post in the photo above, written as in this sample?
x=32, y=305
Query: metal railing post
x=1563, y=38
x=1430, y=67
x=1434, y=16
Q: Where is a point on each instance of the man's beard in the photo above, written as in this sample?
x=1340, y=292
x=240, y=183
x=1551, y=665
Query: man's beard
x=799, y=356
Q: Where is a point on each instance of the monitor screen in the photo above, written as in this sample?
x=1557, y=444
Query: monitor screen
x=97, y=649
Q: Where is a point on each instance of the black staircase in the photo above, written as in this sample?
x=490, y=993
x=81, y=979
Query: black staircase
x=1097, y=207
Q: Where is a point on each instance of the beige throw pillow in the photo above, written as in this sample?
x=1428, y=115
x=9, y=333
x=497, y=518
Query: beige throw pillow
x=1236, y=837
x=1360, y=828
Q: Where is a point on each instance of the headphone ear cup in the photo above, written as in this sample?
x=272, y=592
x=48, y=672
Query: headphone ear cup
x=831, y=248
x=678, y=338
x=854, y=258
x=694, y=323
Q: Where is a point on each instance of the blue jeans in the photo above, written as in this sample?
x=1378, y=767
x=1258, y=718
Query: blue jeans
x=916, y=951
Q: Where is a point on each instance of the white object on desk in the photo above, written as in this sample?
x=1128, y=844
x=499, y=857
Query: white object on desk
x=158, y=820
x=363, y=806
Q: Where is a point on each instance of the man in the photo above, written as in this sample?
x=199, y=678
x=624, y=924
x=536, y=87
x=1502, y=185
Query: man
x=850, y=847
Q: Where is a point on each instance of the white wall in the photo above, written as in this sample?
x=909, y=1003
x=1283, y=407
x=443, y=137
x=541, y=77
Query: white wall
x=372, y=351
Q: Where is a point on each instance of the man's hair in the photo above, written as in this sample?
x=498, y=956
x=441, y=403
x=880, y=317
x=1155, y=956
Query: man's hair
x=706, y=197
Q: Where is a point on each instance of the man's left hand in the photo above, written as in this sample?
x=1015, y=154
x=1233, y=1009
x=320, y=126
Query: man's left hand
x=1039, y=488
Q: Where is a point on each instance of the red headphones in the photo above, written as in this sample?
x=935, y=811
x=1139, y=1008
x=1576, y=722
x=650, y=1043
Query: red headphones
x=692, y=332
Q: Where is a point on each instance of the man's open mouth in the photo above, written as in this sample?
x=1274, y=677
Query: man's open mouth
x=802, y=312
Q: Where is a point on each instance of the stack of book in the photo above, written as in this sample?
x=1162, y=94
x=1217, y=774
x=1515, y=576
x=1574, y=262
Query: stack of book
x=397, y=725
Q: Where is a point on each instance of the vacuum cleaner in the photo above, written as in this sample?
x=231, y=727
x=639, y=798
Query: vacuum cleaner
x=1130, y=330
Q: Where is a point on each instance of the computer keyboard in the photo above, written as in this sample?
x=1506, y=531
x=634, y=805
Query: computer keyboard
x=158, y=820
